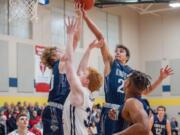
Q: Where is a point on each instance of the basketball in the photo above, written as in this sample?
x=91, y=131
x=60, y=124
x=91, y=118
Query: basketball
x=88, y=4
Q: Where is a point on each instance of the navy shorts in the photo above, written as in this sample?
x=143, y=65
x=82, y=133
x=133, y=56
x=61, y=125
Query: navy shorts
x=52, y=121
x=106, y=124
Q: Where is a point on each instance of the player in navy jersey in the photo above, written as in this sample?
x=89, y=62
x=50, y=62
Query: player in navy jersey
x=52, y=114
x=134, y=112
x=159, y=124
x=115, y=72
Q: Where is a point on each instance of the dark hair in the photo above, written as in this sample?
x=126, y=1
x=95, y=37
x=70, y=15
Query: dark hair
x=18, y=103
x=20, y=115
x=126, y=49
x=98, y=106
x=141, y=81
x=161, y=106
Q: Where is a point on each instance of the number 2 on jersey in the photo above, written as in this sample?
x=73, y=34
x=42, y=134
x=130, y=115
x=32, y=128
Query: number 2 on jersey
x=121, y=85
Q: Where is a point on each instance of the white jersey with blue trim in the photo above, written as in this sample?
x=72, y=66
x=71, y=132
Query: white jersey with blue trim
x=76, y=119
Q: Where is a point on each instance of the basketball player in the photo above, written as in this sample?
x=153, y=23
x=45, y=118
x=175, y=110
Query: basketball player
x=78, y=105
x=159, y=124
x=115, y=72
x=52, y=114
x=134, y=112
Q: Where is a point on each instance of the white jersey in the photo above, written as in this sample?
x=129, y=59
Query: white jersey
x=76, y=118
x=15, y=132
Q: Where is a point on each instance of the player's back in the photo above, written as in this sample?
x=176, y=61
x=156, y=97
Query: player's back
x=61, y=88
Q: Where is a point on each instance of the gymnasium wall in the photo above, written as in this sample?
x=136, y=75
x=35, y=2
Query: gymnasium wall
x=17, y=71
x=159, y=46
x=129, y=32
x=154, y=43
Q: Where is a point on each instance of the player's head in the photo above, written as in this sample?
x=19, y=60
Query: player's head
x=91, y=79
x=22, y=120
x=122, y=54
x=50, y=55
x=161, y=110
x=137, y=82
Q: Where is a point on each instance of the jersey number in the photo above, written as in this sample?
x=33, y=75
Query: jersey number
x=121, y=85
x=158, y=131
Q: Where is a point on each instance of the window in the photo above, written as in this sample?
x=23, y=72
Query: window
x=57, y=26
x=22, y=29
x=3, y=16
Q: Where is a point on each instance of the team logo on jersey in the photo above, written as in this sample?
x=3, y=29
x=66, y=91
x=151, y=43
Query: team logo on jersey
x=159, y=128
x=88, y=121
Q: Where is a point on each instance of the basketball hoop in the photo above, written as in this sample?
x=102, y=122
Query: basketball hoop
x=23, y=10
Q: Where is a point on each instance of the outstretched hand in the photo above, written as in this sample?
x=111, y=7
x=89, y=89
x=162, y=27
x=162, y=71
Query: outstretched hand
x=77, y=34
x=96, y=44
x=80, y=6
x=84, y=13
x=71, y=25
x=64, y=57
x=78, y=9
x=165, y=72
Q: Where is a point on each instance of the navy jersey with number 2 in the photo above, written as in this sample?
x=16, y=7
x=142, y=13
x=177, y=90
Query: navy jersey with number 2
x=114, y=83
x=114, y=94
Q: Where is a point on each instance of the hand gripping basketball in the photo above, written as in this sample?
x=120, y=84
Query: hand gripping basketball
x=86, y=4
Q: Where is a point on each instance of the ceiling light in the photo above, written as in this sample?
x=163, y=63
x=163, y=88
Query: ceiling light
x=174, y=4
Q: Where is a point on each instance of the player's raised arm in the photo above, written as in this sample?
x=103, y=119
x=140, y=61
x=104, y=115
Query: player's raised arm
x=107, y=57
x=164, y=73
x=85, y=59
x=72, y=77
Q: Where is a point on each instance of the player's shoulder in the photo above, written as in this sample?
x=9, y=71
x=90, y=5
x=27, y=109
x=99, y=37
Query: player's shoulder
x=167, y=121
x=128, y=68
x=133, y=102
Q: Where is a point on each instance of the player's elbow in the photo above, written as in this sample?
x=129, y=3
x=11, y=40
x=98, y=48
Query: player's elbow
x=100, y=36
x=144, y=130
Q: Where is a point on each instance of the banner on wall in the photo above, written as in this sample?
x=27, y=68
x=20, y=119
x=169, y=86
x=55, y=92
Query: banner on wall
x=42, y=73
